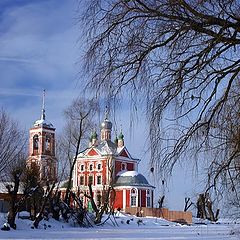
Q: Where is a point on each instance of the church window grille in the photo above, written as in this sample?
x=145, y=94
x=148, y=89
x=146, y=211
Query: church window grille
x=133, y=198
x=81, y=180
x=82, y=167
x=90, y=167
x=148, y=198
x=99, y=179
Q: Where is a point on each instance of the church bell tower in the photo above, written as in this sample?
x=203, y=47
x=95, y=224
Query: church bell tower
x=42, y=147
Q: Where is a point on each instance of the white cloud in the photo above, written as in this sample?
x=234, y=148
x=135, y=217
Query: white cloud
x=40, y=42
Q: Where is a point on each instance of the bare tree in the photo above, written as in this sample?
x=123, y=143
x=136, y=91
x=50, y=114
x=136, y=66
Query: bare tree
x=12, y=161
x=160, y=201
x=188, y=203
x=12, y=141
x=80, y=116
x=13, y=189
x=183, y=56
x=105, y=204
x=205, y=208
x=48, y=191
x=12, y=178
x=31, y=181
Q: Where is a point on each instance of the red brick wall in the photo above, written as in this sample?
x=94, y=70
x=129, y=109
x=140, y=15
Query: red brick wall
x=143, y=193
x=118, y=200
x=117, y=167
x=94, y=172
x=127, y=198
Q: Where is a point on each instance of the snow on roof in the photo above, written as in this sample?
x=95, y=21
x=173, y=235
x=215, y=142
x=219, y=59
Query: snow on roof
x=107, y=147
x=126, y=173
x=131, y=178
x=119, y=149
x=42, y=122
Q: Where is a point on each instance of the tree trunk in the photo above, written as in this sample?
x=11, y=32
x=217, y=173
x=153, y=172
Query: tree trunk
x=210, y=211
x=100, y=212
x=160, y=201
x=11, y=217
x=39, y=217
x=217, y=214
x=55, y=205
x=201, y=210
x=188, y=204
x=67, y=195
x=13, y=199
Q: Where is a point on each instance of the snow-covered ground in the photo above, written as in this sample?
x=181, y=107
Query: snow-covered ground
x=150, y=228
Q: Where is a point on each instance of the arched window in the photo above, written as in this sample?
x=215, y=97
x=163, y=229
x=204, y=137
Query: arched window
x=47, y=143
x=91, y=167
x=99, y=166
x=82, y=167
x=35, y=142
x=99, y=179
x=148, y=198
x=123, y=166
x=133, y=197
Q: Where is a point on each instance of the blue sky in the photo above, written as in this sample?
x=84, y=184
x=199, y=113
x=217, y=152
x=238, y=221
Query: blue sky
x=39, y=49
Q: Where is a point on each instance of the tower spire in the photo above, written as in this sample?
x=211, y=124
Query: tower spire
x=106, y=126
x=43, y=106
x=106, y=114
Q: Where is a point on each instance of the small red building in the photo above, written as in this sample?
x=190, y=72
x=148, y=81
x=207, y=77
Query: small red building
x=107, y=163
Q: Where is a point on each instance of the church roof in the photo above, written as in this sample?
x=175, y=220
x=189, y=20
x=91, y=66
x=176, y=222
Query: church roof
x=42, y=123
x=131, y=178
x=107, y=147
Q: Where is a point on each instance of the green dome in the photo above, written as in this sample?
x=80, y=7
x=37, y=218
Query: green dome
x=121, y=136
x=94, y=135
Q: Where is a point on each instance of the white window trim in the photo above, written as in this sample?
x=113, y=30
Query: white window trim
x=98, y=175
x=100, y=167
x=134, y=195
x=80, y=166
x=88, y=168
x=148, y=195
x=79, y=181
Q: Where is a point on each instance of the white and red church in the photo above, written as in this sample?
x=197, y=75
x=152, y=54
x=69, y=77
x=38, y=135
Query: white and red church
x=102, y=164
x=106, y=162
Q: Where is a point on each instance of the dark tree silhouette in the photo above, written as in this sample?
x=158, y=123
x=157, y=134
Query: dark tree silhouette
x=80, y=115
x=183, y=57
x=12, y=142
